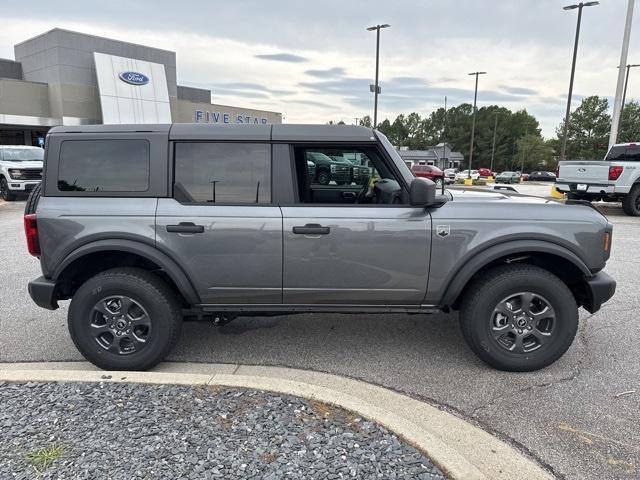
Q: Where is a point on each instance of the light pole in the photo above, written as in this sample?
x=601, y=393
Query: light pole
x=626, y=83
x=493, y=145
x=473, y=122
x=579, y=6
x=376, y=88
x=444, y=138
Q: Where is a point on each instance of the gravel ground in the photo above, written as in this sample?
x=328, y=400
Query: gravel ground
x=125, y=431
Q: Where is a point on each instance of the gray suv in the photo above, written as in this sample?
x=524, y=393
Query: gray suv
x=144, y=226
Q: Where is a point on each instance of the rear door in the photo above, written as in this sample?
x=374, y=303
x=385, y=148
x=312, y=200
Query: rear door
x=221, y=223
x=342, y=245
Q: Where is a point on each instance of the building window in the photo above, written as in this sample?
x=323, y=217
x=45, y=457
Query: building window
x=208, y=172
x=104, y=166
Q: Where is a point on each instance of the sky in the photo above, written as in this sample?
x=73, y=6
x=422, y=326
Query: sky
x=314, y=61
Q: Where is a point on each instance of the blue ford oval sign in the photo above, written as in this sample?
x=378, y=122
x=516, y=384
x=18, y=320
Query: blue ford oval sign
x=134, y=78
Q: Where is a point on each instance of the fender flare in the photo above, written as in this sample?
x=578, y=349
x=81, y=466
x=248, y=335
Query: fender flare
x=172, y=269
x=456, y=282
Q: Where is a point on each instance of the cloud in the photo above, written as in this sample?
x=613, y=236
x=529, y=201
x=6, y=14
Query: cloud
x=327, y=73
x=282, y=57
x=518, y=90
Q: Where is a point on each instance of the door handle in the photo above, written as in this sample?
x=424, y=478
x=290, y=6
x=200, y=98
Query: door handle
x=312, y=229
x=185, y=227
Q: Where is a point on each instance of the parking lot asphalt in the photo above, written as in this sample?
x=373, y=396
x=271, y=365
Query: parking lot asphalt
x=576, y=416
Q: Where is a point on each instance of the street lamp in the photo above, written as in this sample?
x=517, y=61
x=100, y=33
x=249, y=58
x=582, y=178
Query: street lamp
x=626, y=82
x=473, y=121
x=376, y=88
x=579, y=6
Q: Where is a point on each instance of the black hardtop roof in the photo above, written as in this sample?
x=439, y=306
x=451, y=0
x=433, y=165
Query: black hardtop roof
x=204, y=131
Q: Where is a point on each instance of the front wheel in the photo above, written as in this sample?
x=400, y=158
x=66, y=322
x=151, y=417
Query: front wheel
x=5, y=193
x=323, y=178
x=519, y=318
x=124, y=319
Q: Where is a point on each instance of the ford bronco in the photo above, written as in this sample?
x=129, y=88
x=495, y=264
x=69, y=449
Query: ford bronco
x=142, y=226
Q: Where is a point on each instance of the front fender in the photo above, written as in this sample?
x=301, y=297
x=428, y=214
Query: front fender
x=469, y=266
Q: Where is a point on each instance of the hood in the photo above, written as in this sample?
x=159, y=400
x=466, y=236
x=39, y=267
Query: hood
x=26, y=164
x=462, y=195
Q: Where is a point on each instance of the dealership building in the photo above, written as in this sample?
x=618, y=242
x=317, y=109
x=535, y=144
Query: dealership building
x=69, y=78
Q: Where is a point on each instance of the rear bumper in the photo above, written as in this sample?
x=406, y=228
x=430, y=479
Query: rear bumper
x=42, y=292
x=600, y=288
x=591, y=188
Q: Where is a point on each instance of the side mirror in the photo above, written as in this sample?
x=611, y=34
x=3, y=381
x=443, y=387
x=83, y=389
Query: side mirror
x=422, y=192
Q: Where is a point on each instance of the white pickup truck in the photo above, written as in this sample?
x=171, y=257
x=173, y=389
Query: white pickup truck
x=614, y=179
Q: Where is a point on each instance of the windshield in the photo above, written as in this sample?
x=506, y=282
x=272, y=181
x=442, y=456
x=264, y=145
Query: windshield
x=22, y=154
x=404, y=170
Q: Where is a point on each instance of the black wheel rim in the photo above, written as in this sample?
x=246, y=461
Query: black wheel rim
x=120, y=325
x=523, y=322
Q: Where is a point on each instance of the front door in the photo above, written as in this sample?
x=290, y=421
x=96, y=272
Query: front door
x=221, y=224
x=354, y=242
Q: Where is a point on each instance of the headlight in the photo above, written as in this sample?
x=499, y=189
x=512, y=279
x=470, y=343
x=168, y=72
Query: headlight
x=15, y=173
x=333, y=169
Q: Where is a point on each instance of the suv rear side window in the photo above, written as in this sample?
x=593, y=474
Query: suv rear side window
x=222, y=172
x=104, y=166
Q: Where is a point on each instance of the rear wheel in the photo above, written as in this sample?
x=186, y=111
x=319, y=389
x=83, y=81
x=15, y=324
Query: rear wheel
x=124, y=319
x=5, y=193
x=32, y=201
x=631, y=202
x=519, y=318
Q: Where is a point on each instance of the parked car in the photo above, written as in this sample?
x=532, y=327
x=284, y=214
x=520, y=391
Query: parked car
x=465, y=174
x=541, y=176
x=485, y=172
x=428, y=171
x=20, y=170
x=328, y=169
x=508, y=177
x=450, y=175
x=138, y=246
x=614, y=179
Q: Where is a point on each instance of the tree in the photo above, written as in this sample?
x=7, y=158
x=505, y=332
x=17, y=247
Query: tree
x=533, y=153
x=365, y=121
x=630, y=123
x=589, y=127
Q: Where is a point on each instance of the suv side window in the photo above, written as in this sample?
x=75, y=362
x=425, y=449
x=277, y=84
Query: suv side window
x=344, y=175
x=222, y=172
x=104, y=166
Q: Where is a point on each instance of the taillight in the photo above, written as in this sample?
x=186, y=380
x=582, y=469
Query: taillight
x=31, y=231
x=615, y=172
x=558, y=171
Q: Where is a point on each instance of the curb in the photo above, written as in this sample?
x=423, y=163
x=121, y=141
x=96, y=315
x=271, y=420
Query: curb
x=461, y=450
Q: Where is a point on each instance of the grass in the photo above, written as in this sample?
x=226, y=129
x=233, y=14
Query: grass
x=42, y=459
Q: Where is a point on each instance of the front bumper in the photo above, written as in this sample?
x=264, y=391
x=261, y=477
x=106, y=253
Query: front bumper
x=600, y=288
x=22, y=185
x=42, y=292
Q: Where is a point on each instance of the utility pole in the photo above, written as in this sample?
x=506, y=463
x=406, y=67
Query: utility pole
x=473, y=122
x=444, y=131
x=617, y=104
x=573, y=71
x=493, y=146
x=376, y=88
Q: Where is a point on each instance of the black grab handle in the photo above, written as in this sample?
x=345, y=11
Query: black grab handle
x=312, y=229
x=185, y=227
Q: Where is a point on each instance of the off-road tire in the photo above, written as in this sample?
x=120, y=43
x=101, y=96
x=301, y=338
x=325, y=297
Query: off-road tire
x=32, y=201
x=149, y=291
x=6, y=194
x=631, y=201
x=498, y=283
